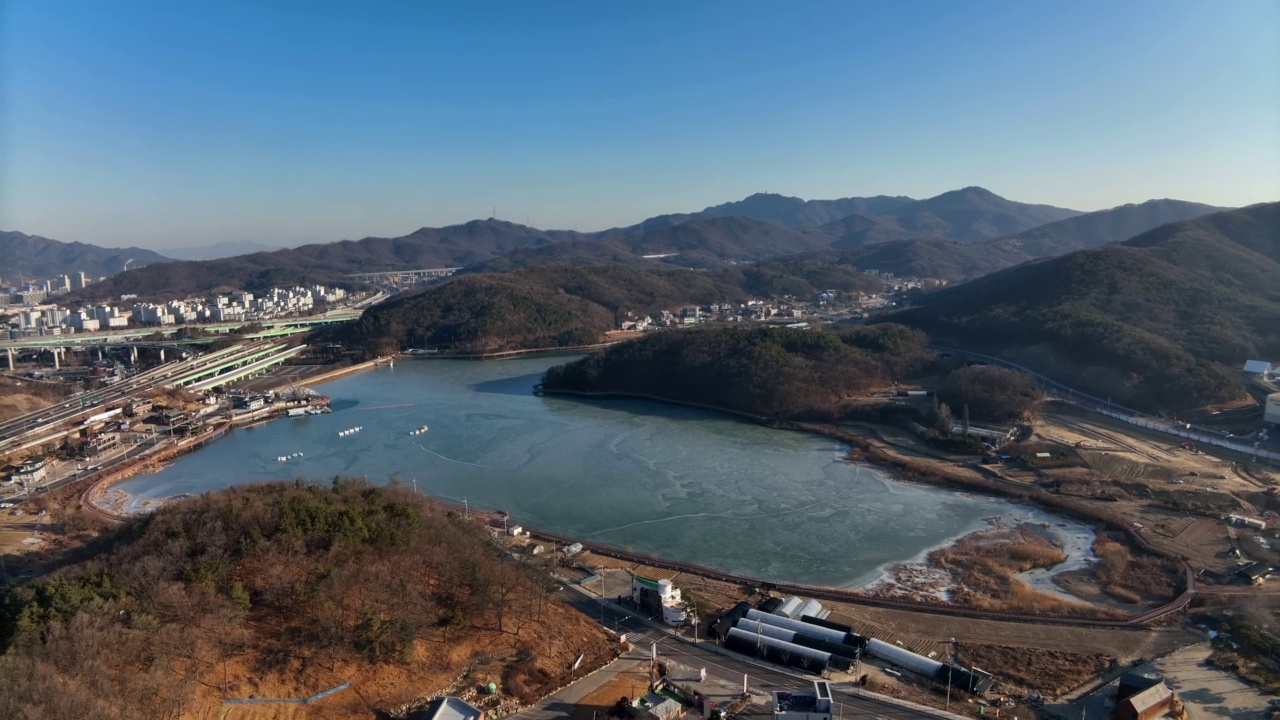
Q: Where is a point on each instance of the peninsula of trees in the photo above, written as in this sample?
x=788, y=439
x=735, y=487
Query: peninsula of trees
x=770, y=372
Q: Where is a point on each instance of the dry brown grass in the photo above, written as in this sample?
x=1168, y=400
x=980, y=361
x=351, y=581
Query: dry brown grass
x=984, y=567
x=19, y=397
x=1134, y=579
x=1048, y=672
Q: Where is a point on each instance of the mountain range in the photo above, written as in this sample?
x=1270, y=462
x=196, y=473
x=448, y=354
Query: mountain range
x=226, y=248
x=32, y=257
x=953, y=236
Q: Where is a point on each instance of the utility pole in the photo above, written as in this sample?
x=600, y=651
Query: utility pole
x=948, y=687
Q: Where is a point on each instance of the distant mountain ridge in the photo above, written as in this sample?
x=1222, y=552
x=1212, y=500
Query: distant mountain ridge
x=229, y=248
x=974, y=214
x=928, y=236
x=1106, y=226
x=970, y=214
x=329, y=263
x=795, y=212
x=924, y=255
x=33, y=257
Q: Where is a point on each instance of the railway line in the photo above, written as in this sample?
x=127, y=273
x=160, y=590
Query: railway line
x=1083, y=429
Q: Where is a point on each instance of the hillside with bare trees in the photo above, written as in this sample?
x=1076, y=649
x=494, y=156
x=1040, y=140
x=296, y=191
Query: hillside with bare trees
x=285, y=590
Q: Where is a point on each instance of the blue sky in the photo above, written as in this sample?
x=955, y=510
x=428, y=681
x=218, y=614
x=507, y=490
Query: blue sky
x=164, y=124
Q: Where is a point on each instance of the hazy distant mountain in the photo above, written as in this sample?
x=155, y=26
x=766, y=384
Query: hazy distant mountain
x=784, y=226
x=931, y=258
x=570, y=252
x=1160, y=322
x=858, y=230
x=25, y=256
x=974, y=214
x=794, y=212
x=1106, y=226
x=925, y=256
x=228, y=248
x=726, y=238
x=1256, y=228
x=453, y=246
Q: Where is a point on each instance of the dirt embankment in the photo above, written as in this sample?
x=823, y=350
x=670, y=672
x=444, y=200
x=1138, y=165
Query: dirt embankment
x=1052, y=673
x=19, y=397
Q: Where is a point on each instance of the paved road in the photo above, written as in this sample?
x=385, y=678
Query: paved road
x=728, y=670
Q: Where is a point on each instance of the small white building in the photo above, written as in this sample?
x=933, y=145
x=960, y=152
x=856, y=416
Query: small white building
x=659, y=596
x=32, y=471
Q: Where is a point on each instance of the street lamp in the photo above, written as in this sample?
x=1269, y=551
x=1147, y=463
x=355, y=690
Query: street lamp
x=600, y=572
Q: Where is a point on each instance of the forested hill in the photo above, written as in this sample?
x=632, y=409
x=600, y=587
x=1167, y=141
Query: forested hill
x=1161, y=322
x=281, y=590
x=874, y=244
x=554, y=305
x=1105, y=226
x=539, y=306
x=34, y=257
x=772, y=372
x=926, y=258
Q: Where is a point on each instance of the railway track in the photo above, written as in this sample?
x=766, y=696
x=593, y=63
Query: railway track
x=1083, y=429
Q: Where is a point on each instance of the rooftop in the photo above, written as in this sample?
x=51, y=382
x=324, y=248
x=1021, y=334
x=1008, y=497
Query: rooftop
x=447, y=708
x=795, y=701
x=1150, y=698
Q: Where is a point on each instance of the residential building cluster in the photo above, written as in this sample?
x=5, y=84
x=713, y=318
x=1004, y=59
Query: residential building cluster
x=829, y=305
x=35, y=292
x=238, y=306
x=232, y=307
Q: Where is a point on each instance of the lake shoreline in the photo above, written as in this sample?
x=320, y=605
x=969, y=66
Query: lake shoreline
x=678, y=484
x=899, y=466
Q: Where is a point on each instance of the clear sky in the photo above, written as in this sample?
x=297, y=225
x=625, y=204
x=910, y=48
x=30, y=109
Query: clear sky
x=182, y=123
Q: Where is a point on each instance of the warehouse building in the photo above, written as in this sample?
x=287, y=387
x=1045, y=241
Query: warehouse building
x=1271, y=414
x=794, y=643
x=794, y=607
